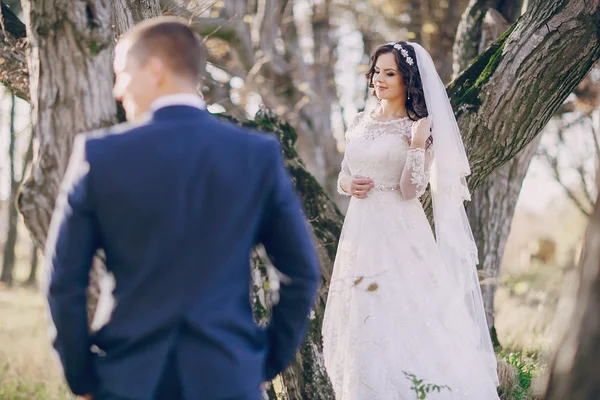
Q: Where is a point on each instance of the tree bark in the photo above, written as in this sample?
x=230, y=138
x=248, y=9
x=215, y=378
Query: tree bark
x=8, y=261
x=71, y=92
x=13, y=73
x=574, y=372
x=127, y=13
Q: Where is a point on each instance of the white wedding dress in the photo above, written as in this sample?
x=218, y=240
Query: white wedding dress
x=392, y=307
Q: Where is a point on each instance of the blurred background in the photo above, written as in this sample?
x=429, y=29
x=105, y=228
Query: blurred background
x=316, y=82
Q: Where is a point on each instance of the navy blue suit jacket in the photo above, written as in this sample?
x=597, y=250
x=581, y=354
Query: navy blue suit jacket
x=177, y=204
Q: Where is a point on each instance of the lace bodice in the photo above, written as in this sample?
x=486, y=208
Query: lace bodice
x=381, y=151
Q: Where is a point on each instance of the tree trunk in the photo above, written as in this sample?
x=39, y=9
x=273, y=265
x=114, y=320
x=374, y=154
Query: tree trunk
x=446, y=17
x=8, y=262
x=71, y=85
x=306, y=377
x=127, y=13
x=323, y=71
x=574, y=370
x=490, y=212
x=32, y=279
x=415, y=11
x=493, y=203
x=71, y=92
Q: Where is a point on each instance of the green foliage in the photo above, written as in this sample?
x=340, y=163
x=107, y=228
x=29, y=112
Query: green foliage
x=464, y=91
x=527, y=368
x=94, y=47
x=421, y=388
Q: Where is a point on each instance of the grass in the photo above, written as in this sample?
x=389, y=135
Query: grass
x=519, y=373
x=28, y=367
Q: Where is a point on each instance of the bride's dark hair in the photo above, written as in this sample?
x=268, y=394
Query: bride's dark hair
x=415, y=105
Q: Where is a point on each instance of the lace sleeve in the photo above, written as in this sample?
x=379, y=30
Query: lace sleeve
x=415, y=176
x=345, y=177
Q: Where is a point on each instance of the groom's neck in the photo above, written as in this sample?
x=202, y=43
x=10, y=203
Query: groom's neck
x=176, y=85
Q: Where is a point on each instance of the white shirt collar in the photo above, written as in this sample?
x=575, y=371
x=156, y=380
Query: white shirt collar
x=180, y=99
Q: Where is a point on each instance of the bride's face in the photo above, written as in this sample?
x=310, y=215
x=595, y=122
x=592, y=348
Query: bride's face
x=387, y=80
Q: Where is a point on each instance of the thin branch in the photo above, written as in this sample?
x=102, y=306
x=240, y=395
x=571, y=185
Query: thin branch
x=584, y=184
x=553, y=164
x=233, y=31
x=232, y=71
x=222, y=28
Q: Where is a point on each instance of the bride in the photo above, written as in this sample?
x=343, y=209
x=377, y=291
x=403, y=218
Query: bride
x=402, y=304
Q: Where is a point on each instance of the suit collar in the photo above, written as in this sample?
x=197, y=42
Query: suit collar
x=177, y=112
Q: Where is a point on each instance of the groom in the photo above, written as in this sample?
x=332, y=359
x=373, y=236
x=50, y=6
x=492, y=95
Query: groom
x=176, y=201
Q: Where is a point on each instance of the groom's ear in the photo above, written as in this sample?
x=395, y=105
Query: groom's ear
x=157, y=68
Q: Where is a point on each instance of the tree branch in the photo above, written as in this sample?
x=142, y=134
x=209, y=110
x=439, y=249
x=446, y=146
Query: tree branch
x=553, y=164
x=265, y=33
x=468, y=36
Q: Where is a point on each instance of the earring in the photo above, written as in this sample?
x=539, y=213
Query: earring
x=409, y=96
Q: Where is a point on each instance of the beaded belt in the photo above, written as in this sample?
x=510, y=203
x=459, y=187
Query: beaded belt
x=387, y=188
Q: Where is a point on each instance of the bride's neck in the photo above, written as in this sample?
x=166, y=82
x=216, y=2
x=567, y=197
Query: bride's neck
x=391, y=109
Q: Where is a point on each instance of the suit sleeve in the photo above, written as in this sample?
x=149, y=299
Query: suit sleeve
x=290, y=247
x=70, y=247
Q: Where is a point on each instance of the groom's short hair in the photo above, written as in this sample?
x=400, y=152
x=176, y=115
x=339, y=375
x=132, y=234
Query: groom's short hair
x=171, y=40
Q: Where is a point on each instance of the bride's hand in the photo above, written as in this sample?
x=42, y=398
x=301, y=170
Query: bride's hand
x=361, y=186
x=421, y=133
